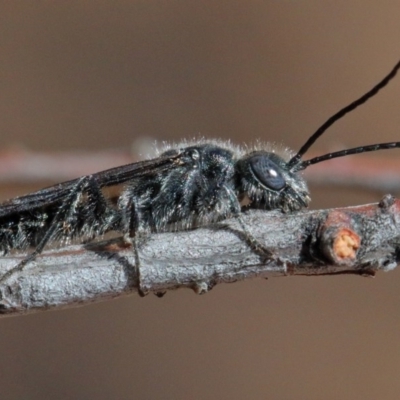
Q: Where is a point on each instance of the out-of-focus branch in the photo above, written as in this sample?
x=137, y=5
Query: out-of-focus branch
x=357, y=240
x=24, y=167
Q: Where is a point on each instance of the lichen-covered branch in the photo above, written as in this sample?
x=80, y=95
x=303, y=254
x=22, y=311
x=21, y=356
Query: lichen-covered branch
x=357, y=240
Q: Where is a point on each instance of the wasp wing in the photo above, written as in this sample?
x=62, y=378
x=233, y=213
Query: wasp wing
x=107, y=178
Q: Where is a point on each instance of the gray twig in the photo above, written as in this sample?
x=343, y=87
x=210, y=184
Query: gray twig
x=358, y=240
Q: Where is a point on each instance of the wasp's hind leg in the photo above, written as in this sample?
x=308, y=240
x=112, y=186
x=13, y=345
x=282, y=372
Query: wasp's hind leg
x=63, y=219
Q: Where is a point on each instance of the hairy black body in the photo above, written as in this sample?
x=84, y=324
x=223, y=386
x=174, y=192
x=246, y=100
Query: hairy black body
x=185, y=187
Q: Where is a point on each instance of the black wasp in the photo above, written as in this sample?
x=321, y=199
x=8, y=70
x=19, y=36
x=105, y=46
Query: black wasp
x=185, y=187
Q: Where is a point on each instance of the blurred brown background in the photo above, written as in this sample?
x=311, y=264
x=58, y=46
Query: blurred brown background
x=95, y=75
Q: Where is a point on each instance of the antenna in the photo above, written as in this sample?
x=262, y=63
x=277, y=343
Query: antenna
x=341, y=113
x=356, y=150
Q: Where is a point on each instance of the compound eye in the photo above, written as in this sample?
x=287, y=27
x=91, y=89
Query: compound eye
x=267, y=172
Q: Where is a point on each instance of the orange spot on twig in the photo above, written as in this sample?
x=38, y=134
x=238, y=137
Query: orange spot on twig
x=346, y=244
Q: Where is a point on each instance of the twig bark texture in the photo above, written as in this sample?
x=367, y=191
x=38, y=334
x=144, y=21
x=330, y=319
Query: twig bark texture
x=359, y=240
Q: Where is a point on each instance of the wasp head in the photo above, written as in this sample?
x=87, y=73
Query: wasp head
x=267, y=182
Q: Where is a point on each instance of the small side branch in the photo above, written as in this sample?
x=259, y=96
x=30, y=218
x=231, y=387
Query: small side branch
x=356, y=240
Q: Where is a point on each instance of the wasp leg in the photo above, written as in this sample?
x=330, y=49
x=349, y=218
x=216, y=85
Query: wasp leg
x=250, y=239
x=254, y=243
x=65, y=212
x=130, y=226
